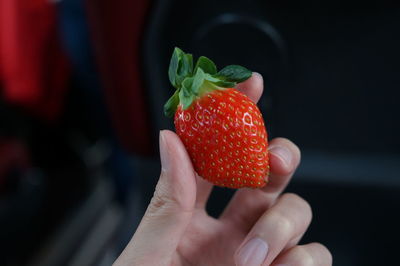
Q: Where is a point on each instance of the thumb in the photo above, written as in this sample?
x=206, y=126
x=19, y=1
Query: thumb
x=169, y=211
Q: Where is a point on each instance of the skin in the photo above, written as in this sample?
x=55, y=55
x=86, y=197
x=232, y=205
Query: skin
x=176, y=230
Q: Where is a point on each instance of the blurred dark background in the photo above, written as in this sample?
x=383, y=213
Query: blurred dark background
x=83, y=82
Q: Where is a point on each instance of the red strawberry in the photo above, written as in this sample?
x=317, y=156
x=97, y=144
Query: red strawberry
x=221, y=128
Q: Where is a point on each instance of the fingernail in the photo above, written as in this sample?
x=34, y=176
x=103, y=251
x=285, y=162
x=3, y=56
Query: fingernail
x=283, y=153
x=164, y=152
x=253, y=253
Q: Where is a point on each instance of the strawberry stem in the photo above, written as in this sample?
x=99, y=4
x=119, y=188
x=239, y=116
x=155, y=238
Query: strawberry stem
x=194, y=83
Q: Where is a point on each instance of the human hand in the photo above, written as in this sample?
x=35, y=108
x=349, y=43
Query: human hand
x=258, y=227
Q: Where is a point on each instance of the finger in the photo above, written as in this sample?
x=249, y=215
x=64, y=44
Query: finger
x=247, y=205
x=169, y=211
x=203, y=192
x=286, y=220
x=284, y=158
x=253, y=87
x=307, y=255
x=293, y=242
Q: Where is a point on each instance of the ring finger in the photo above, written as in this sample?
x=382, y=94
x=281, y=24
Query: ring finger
x=288, y=219
x=310, y=254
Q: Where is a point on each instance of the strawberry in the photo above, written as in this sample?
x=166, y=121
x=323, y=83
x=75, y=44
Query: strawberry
x=221, y=128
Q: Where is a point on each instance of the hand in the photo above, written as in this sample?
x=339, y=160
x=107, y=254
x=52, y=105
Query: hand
x=258, y=227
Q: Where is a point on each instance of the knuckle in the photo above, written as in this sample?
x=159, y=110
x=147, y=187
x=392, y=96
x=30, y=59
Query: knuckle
x=282, y=224
x=158, y=202
x=300, y=203
x=291, y=215
x=292, y=197
x=313, y=254
x=163, y=202
x=160, y=199
x=324, y=252
x=303, y=256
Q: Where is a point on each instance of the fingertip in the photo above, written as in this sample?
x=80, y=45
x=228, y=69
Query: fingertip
x=176, y=151
x=167, y=134
x=284, y=156
x=258, y=77
x=171, y=141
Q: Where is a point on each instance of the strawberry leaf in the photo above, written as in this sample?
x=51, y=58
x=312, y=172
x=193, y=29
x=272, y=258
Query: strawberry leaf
x=171, y=105
x=225, y=84
x=191, y=84
x=180, y=66
x=186, y=96
x=219, y=82
x=234, y=73
x=187, y=84
x=198, y=80
x=186, y=66
x=173, y=67
x=206, y=65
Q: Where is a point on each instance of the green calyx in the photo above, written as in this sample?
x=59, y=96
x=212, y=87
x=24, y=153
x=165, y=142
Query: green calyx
x=193, y=82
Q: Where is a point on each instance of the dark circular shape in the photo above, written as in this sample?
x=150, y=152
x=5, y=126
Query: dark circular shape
x=247, y=40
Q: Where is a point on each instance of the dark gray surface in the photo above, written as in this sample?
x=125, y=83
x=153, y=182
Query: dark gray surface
x=331, y=85
x=358, y=223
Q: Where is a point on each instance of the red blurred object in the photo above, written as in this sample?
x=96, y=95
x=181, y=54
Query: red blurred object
x=12, y=154
x=33, y=68
x=116, y=28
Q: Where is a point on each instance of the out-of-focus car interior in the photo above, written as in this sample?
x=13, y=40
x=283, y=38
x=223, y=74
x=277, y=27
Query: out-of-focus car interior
x=82, y=89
